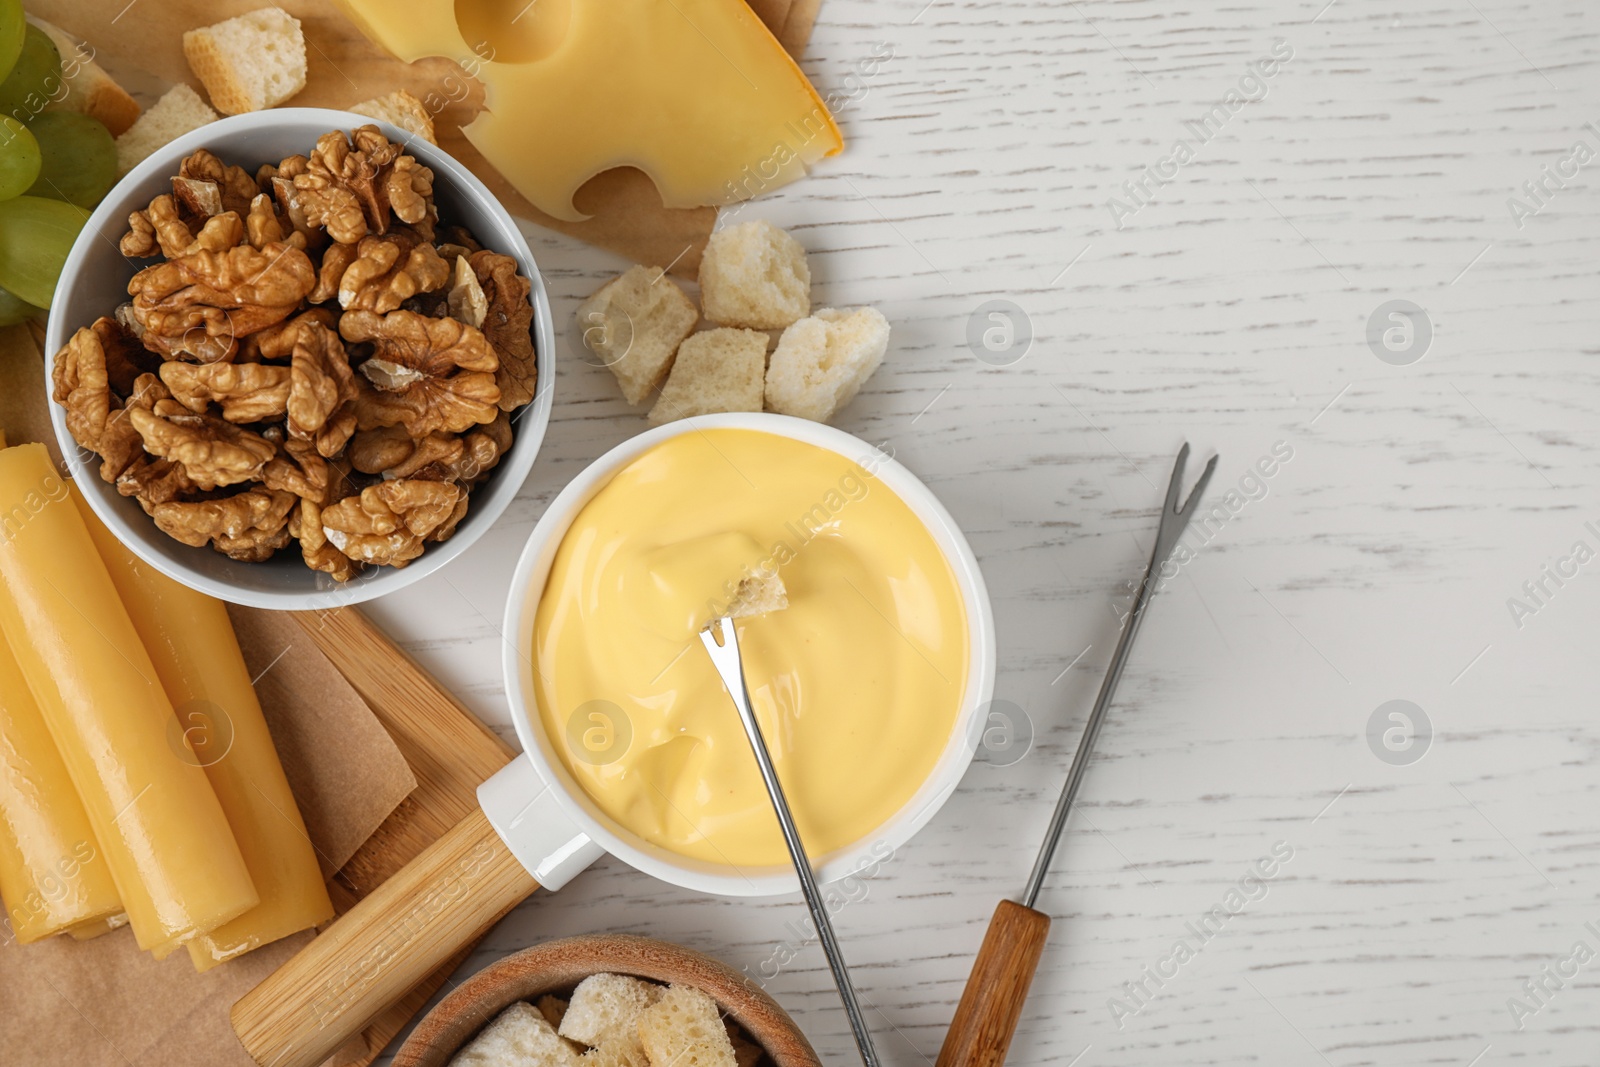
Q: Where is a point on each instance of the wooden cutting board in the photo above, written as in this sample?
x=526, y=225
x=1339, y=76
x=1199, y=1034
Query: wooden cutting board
x=344, y=68
x=449, y=751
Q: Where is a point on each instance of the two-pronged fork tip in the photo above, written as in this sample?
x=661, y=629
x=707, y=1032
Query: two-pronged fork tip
x=1175, y=486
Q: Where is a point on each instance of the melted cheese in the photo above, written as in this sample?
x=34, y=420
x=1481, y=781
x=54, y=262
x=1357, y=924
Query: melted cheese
x=857, y=684
x=695, y=93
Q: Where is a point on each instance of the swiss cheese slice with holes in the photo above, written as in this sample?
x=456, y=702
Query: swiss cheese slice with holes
x=697, y=94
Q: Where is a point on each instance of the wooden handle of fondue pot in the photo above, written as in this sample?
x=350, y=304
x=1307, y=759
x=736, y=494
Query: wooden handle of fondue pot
x=369, y=957
x=980, y=1034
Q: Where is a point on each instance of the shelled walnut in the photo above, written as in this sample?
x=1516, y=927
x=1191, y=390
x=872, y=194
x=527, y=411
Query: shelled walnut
x=389, y=522
x=390, y=270
x=198, y=305
x=424, y=374
x=248, y=526
x=507, y=323
x=312, y=357
x=351, y=187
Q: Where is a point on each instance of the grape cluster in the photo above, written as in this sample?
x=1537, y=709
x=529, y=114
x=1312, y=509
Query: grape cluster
x=54, y=166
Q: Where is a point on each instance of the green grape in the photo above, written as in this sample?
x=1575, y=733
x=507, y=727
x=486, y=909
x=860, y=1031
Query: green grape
x=35, y=237
x=12, y=26
x=13, y=309
x=36, y=78
x=78, y=158
x=19, y=159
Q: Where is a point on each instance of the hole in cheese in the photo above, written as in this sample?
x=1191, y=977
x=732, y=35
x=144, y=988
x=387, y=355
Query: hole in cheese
x=513, y=31
x=697, y=94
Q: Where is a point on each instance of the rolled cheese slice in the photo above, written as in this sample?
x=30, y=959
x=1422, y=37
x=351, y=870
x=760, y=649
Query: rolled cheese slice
x=91, y=930
x=174, y=859
x=196, y=655
x=53, y=875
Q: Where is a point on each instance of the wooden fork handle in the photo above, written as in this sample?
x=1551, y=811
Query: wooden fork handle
x=980, y=1034
x=372, y=954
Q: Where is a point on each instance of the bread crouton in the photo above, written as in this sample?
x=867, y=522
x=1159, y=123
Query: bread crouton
x=758, y=595
x=821, y=361
x=605, y=1009
x=718, y=370
x=518, y=1037
x=254, y=61
x=617, y=1054
x=179, y=110
x=634, y=324
x=754, y=275
x=552, y=1008
x=685, y=1029
x=89, y=89
x=401, y=109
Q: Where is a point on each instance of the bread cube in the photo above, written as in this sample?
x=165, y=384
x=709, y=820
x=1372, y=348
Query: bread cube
x=635, y=323
x=179, y=110
x=552, y=1008
x=518, y=1037
x=254, y=61
x=718, y=370
x=754, y=275
x=758, y=595
x=605, y=1009
x=685, y=1029
x=821, y=361
x=89, y=90
x=617, y=1054
x=401, y=109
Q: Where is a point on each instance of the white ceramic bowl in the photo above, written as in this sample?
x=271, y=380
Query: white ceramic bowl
x=95, y=280
x=527, y=586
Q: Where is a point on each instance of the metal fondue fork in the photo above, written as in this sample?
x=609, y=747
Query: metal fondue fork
x=990, y=1006
x=722, y=642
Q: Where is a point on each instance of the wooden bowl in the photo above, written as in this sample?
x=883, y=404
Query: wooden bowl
x=557, y=966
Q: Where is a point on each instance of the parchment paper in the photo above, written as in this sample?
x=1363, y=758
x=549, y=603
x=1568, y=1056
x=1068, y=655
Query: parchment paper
x=345, y=771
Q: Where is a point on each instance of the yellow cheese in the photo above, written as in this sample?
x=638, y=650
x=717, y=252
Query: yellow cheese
x=695, y=93
x=52, y=873
x=191, y=642
x=857, y=684
x=90, y=930
x=163, y=833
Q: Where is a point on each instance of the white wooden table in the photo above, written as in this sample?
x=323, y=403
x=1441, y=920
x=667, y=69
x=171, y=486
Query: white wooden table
x=1230, y=309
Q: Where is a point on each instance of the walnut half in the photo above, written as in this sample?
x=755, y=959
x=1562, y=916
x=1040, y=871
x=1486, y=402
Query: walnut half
x=352, y=187
x=321, y=390
x=248, y=526
x=198, y=306
x=212, y=452
x=424, y=374
x=390, y=270
x=508, y=323
x=93, y=372
x=247, y=392
x=319, y=553
x=389, y=522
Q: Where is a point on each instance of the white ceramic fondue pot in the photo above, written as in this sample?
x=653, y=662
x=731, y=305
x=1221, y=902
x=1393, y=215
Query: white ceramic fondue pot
x=538, y=827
